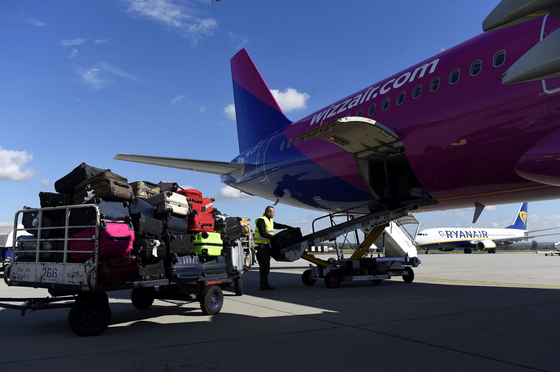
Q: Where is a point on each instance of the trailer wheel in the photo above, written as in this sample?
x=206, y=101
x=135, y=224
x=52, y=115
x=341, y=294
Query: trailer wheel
x=7, y=270
x=307, y=277
x=89, y=317
x=409, y=276
x=211, y=300
x=332, y=279
x=238, y=286
x=142, y=298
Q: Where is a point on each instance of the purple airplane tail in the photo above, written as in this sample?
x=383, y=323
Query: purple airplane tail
x=257, y=113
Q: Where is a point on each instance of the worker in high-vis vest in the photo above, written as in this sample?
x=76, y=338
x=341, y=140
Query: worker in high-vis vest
x=263, y=233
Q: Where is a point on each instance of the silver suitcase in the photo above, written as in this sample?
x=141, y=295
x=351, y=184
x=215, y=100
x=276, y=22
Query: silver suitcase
x=169, y=202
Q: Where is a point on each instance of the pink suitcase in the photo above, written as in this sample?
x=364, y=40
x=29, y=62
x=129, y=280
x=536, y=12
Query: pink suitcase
x=115, y=240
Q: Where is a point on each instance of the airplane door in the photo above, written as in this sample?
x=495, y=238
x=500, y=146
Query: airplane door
x=552, y=85
x=261, y=160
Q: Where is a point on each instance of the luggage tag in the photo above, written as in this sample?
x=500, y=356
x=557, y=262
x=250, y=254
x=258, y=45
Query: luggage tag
x=156, y=244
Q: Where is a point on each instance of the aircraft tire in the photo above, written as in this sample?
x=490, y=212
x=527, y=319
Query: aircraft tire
x=409, y=277
x=307, y=278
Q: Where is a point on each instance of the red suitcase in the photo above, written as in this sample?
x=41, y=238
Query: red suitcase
x=201, y=221
x=115, y=240
x=118, y=270
x=208, y=205
x=194, y=197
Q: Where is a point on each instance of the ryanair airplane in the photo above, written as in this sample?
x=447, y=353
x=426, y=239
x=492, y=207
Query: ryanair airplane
x=447, y=239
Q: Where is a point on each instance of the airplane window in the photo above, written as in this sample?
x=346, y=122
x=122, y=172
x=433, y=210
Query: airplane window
x=434, y=85
x=371, y=109
x=385, y=105
x=417, y=91
x=476, y=67
x=499, y=58
x=289, y=143
x=400, y=98
x=282, y=145
x=360, y=112
x=454, y=77
x=297, y=141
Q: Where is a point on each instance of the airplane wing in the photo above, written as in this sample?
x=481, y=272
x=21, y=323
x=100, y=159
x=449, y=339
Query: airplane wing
x=205, y=166
x=520, y=238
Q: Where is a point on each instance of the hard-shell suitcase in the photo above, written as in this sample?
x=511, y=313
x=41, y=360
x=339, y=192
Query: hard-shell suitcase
x=50, y=221
x=174, y=224
x=183, y=267
x=108, y=210
x=201, y=221
x=149, y=251
x=27, y=247
x=141, y=206
x=194, y=198
x=115, y=240
x=208, y=244
x=235, y=258
x=153, y=271
x=180, y=244
x=208, y=204
x=106, y=185
x=286, y=238
x=147, y=226
x=168, y=186
x=117, y=270
x=216, y=265
x=51, y=199
x=81, y=173
x=145, y=189
x=230, y=228
x=169, y=202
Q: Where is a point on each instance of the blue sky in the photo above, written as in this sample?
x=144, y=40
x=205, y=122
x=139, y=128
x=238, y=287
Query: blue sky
x=83, y=81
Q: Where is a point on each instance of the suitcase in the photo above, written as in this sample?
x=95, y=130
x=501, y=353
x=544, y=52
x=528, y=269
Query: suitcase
x=230, y=228
x=208, y=244
x=169, y=202
x=183, y=267
x=141, y=206
x=168, y=186
x=201, y=221
x=106, y=185
x=151, y=272
x=145, y=189
x=208, y=204
x=286, y=238
x=174, y=224
x=81, y=173
x=235, y=258
x=117, y=270
x=30, y=221
x=180, y=244
x=194, y=198
x=149, y=251
x=115, y=240
x=147, y=226
x=217, y=265
x=27, y=247
x=108, y=210
x=51, y=199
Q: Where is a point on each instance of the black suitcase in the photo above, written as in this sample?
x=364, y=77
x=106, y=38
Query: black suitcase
x=180, y=244
x=183, y=267
x=168, y=186
x=215, y=266
x=174, y=224
x=286, y=238
x=108, y=210
x=51, y=199
x=82, y=172
x=147, y=226
x=230, y=228
x=151, y=272
x=149, y=251
x=30, y=221
x=106, y=185
x=141, y=206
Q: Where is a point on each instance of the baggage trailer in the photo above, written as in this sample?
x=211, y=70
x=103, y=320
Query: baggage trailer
x=83, y=286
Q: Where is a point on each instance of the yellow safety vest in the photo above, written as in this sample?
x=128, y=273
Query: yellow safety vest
x=269, y=224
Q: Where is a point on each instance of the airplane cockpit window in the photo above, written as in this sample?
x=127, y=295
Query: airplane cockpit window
x=454, y=76
x=359, y=112
x=476, y=67
x=417, y=91
x=434, y=85
x=282, y=145
x=499, y=58
x=442, y=234
x=400, y=98
x=371, y=109
x=385, y=105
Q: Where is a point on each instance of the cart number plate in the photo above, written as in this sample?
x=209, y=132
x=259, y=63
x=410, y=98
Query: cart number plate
x=49, y=275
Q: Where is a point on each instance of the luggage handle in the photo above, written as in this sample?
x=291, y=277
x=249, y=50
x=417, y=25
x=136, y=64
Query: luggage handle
x=194, y=200
x=125, y=185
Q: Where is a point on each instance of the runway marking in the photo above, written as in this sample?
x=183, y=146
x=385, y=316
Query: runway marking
x=491, y=283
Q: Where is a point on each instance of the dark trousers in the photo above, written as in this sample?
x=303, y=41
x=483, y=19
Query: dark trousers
x=263, y=256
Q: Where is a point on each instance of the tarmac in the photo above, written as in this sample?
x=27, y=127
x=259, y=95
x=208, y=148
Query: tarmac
x=477, y=312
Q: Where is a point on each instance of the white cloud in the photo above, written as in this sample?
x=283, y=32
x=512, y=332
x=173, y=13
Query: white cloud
x=32, y=21
x=238, y=40
x=91, y=77
x=178, y=16
x=12, y=164
x=72, y=42
x=230, y=194
x=101, y=41
x=45, y=183
x=290, y=99
x=74, y=53
x=179, y=98
x=120, y=73
x=229, y=110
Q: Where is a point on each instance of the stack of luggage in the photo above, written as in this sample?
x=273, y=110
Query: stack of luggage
x=146, y=230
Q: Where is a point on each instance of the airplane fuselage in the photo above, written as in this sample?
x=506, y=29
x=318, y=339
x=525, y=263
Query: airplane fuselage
x=462, y=135
x=449, y=238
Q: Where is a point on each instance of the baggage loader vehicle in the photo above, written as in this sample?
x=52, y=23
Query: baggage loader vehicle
x=45, y=260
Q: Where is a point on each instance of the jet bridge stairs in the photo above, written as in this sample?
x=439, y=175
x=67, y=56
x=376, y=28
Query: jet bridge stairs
x=394, y=254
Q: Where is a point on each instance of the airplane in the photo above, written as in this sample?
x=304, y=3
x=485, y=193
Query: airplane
x=554, y=251
x=477, y=124
x=448, y=238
